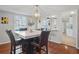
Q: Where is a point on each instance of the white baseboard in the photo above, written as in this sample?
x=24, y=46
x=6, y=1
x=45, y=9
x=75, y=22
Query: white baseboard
x=4, y=42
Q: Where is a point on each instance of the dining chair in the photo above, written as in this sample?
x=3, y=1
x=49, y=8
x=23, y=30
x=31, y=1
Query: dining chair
x=14, y=42
x=42, y=44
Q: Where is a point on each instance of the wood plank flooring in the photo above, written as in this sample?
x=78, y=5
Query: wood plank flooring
x=61, y=49
x=5, y=48
x=53, y=48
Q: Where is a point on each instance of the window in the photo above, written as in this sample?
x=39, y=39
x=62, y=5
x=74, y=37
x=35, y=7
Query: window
x=45, y=24
x=20, y=22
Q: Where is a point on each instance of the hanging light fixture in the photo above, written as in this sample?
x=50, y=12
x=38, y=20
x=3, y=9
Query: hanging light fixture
x=36, y=13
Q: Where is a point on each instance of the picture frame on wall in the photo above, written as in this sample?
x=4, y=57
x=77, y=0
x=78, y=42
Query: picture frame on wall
x=4, y=20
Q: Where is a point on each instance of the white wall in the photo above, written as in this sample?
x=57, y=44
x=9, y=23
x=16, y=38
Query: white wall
x=72, y=33
x=66, y=15
x=3, y=27
x=77, y=42
x=57, y=36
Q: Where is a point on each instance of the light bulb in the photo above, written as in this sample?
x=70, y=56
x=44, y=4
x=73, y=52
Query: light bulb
x=37, y=15
x=72, y=12
x=53, y=16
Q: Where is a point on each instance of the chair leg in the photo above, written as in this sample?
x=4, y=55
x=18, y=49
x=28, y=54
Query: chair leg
x=40, y=50
x=14, y=50
x=46, y=49
x=11, y=50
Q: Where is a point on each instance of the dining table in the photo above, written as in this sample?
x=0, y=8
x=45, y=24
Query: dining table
x=28, y=37
x=28, y=34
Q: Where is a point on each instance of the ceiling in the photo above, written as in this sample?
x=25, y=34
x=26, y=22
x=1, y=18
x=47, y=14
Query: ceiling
x=45, y=10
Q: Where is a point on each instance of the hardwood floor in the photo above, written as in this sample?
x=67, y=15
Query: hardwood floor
x=5, y=48
x=53, y=48
x=61, y=49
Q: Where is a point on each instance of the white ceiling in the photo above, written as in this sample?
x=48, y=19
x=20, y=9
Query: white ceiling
x=45, y=10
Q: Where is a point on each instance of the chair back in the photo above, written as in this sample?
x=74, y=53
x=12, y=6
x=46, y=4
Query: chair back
x=11, y=36
x=23, y=29
x=44, y=37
